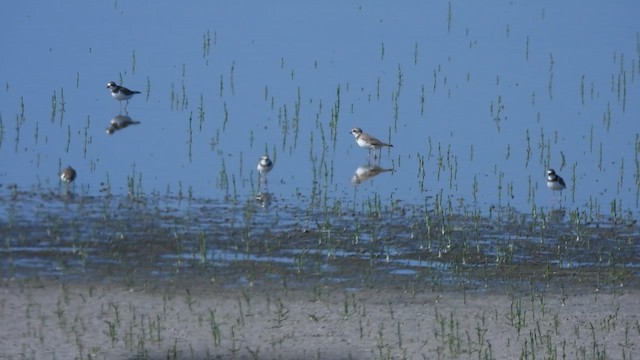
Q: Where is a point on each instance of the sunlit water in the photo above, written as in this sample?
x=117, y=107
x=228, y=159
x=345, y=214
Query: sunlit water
x=477, y=100
x=145, y=239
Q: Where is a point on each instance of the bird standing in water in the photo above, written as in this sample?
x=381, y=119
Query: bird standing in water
x=554, y=181
x=367, y=141
x=68, y=175
x=121, y=93
x=264, y=166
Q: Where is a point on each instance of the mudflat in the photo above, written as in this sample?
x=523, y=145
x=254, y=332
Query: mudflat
x=55, y=319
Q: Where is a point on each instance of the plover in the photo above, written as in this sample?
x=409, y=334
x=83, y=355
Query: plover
x=121, y=93
x=264, y=165
x=554, y=181
x=68, y=175
x=367, y=141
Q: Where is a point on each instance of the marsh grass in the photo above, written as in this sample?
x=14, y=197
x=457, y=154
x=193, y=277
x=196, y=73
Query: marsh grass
x=133, y=62
x=61, y=105
x=360, y=241
x=190, y=137
x=54, y=104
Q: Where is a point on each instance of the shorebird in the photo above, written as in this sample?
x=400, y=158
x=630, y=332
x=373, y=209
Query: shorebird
x=121, y=93
x=554, y=181
x=68, y=175
x=264, y=165
x=367, y=141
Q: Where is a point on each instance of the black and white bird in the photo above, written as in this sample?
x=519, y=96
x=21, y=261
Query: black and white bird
x=264, y=165
x=554, y=181
x=121, y=93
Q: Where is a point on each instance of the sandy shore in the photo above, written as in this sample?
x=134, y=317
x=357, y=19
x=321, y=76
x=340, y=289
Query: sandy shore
x=54, y=320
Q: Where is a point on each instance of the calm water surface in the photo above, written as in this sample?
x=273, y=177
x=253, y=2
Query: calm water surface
x=477, y=100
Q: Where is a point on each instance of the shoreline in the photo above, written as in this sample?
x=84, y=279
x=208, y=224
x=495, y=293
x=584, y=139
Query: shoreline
x=64, y=320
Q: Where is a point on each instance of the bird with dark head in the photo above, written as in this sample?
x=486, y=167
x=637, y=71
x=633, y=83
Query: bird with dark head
x=68, y=175
x=264, y=165
x=121, y=93
x=554, y=181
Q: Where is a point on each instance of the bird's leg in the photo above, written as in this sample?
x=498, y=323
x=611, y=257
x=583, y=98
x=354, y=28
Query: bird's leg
x=67, y=188
x=377, y=155
x=369, y=156
x=263, y=182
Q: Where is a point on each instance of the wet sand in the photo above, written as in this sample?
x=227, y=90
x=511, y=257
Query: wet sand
x=55, y=320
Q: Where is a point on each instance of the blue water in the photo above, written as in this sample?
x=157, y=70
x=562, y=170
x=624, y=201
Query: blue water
x=162, y=239
x=478, y=100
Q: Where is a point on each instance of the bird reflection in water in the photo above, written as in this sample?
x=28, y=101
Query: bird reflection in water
x=264, y=198
x=120, y=122
x=556, y=216
x=367, y=172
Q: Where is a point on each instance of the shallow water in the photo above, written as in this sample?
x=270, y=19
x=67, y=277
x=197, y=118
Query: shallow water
x=161, y=239
x=478, y=100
